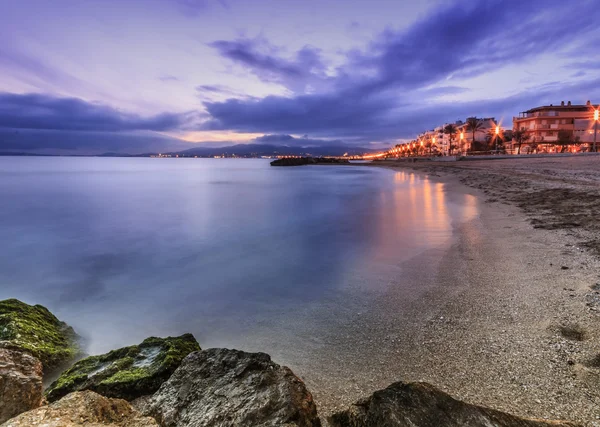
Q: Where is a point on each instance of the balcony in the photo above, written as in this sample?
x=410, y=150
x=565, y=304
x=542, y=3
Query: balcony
x=537, y=114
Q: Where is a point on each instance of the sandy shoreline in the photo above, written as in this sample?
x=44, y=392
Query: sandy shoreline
x=510, y=319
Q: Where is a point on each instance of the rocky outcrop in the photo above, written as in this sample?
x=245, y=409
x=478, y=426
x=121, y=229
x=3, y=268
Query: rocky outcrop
x=300, y=161
x=126, y=373
x=220, y=387
x=35, y=330
x=422, y=405
x=20, y=382
x=84, y=408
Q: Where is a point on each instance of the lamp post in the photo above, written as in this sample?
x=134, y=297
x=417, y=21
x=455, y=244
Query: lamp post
x=596, y=126
x=462, y=136
x=497, y=136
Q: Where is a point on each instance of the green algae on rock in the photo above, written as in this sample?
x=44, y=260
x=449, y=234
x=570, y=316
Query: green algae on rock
x=126, y=373
x=35, y=330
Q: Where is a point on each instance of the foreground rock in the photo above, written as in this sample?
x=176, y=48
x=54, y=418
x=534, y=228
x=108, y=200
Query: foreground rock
x=422, y=405
x=20, y=382
x=37, y=331
x=84, y=408
x=128, y=372
x=220, y=387
x=300, y=161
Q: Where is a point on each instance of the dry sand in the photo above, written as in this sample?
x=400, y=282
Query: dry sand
x=512, y=313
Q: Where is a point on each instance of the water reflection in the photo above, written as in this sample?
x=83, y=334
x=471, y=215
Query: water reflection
x=127, y=248
x=416, y=213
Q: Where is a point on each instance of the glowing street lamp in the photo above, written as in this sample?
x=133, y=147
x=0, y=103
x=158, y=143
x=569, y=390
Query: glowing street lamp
x=462, y=136
x=497, y=136
x=596, y=112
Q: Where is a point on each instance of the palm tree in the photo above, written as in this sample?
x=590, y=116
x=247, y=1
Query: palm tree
x=451, y=131
x=520, y=136
x=473, y=125
x=429, y=145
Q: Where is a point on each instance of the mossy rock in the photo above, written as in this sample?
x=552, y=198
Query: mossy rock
x=126, y=373
x=37, y=331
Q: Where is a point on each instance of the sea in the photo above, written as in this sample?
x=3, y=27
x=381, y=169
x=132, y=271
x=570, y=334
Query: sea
x=239, y=253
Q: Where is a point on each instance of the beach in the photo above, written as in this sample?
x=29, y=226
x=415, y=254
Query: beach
x=478, y=277
x=511, y=314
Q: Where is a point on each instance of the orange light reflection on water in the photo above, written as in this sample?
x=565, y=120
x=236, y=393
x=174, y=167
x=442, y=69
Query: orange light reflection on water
x=423, y=211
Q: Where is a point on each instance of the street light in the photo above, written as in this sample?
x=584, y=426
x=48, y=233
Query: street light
x=596, y=112
x=497, y=136
x=462, y=136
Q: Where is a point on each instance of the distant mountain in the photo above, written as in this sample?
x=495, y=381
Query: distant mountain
x=256, y=150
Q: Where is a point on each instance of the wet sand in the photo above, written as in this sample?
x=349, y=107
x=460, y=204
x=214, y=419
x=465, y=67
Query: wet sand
x=511, y=315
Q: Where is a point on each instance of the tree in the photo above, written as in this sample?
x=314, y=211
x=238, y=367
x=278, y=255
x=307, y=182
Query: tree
x=473, y=125
x=451, y=131
x=495, y=141
x=520, y=136
x=429, y=145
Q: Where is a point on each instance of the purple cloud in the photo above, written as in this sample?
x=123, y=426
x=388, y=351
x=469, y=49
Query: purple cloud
x=376, y=93
x=36, y=111
x=263, y=59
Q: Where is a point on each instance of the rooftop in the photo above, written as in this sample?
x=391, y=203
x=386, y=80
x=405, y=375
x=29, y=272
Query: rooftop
x=563, y=107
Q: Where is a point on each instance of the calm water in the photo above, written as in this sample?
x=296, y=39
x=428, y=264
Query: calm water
x=230, y=250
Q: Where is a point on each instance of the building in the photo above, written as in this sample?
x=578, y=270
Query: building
x=435, y=137
x=543, y=125
x=463, y=138
x=488, y=125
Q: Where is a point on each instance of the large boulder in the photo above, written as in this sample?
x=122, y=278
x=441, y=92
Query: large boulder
x=126, y=373
x=37, y=331
x=422, y=405
x=220, y=387
x=20, y=382
x=83, y=408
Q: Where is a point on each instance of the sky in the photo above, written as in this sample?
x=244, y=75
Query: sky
x=147, y=75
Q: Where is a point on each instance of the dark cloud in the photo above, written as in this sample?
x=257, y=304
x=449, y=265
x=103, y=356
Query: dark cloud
x=86, y=142
x=37, y=111
x=471, y=38
x=387, y=90
x=305, y=70
x=380, y=119
x=334, y=114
